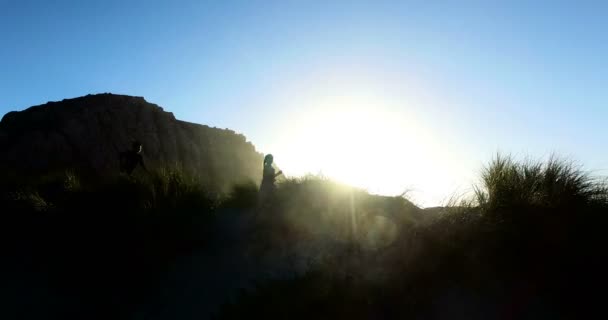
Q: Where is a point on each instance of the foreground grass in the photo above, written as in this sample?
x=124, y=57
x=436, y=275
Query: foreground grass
x=528, y=243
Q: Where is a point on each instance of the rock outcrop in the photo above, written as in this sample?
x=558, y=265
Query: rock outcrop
x=89, y=132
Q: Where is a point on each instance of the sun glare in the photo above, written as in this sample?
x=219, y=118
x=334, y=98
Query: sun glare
x=365, y=142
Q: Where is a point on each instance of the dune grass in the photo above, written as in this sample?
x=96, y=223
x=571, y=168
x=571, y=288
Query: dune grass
x=531, y=234
x=530, y=226
x=556, y=183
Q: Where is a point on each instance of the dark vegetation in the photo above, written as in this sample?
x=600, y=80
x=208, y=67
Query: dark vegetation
x=529, y=243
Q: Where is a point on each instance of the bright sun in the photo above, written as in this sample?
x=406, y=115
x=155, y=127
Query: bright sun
x=361, y=141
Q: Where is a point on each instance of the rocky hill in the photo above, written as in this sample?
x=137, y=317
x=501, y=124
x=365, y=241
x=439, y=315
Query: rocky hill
x=88, y=133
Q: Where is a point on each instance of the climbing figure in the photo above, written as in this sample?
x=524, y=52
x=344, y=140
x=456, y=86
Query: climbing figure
x=268, y=178
x=131, y=158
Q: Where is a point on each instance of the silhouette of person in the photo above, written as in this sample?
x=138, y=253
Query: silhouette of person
x=269, y=176
x=131, y=158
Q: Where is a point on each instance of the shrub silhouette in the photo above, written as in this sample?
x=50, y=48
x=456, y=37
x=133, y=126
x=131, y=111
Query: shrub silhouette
x=243, y=196
x=556, y=183
x=105, y=240
x=527, y=243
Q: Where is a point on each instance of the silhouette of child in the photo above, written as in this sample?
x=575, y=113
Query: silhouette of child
x=131, y=158
x=268, y=177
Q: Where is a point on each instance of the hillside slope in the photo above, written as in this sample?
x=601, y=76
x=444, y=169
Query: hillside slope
x=87, y=133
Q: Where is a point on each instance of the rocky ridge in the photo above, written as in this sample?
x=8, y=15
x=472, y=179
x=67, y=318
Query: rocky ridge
x=88, y=133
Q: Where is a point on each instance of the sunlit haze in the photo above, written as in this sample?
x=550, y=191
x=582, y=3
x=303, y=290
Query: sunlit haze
x=390, y=96
x=365, y=140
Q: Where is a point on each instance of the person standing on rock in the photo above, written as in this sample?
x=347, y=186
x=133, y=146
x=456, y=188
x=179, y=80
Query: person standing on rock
x=268, y=177
x=131, y=158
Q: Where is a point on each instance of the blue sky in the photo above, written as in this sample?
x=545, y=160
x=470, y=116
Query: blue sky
x=527, y=77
